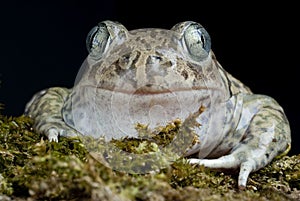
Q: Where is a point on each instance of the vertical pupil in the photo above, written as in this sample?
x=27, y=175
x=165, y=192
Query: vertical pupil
x=202, y=40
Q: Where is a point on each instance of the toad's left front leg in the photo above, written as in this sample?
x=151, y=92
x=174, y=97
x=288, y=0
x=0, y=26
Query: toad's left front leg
x=266, y=136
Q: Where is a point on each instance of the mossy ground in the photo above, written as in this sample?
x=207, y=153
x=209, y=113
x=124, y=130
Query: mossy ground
x=32, y=168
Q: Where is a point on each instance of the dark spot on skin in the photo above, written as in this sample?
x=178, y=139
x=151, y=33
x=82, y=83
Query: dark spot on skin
x=167, y=64
x=267, y=155
x=138, y=38
x=153, y=34
x=185, y=74
x=143, y=41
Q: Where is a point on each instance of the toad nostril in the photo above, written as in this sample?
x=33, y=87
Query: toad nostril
x=153, y=59
x=156, y=57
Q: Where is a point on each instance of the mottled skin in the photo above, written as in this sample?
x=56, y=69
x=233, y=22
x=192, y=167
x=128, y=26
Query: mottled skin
x=146, y=66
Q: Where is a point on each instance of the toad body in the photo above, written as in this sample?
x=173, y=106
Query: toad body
x=153, y=76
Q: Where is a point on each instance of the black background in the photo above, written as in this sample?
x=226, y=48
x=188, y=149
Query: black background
x=43, y=44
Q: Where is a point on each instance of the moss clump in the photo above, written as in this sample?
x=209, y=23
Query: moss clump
x=34, y=168
x=282, y=176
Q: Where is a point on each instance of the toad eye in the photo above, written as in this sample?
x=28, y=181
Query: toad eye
x=97, y=40
x=195, y=39
x=102, y=36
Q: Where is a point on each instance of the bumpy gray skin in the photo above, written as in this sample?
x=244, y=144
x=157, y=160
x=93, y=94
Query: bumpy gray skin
x=252, y=132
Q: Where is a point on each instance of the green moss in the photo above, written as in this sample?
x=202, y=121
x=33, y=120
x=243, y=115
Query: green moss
x=282, y=175
x=33, y=168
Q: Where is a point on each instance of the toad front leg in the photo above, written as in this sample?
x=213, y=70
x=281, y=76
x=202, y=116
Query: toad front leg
x=264, y=133
x=46, y=109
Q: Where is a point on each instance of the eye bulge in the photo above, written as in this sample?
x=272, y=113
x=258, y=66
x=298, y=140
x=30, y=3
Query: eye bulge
x=97, y=40
x=197, y=41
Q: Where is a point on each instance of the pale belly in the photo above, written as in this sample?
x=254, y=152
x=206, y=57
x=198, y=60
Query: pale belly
x=115, y=114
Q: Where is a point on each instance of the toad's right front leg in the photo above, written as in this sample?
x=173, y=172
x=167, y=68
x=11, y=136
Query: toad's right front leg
x=45, y=108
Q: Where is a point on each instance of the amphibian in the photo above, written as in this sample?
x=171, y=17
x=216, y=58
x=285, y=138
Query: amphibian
x=153, y=76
